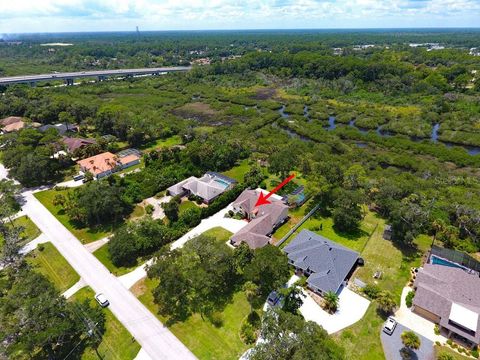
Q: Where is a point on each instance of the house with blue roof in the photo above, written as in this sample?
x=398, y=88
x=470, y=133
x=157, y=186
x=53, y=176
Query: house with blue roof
x=326, y=264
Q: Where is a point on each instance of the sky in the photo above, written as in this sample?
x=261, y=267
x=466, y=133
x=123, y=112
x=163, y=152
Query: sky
x=28, y=16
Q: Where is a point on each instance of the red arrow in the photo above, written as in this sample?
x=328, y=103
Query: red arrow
x=263, y=199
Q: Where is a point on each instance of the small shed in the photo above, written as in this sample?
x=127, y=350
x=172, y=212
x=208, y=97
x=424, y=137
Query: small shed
x=387, y=232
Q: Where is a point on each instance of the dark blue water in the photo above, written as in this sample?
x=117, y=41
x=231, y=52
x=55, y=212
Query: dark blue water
x=331, y=123
x=434, y=135
x=282, y=112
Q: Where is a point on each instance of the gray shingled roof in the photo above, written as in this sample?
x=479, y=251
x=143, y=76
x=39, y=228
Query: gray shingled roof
x=266, y=217
x=329, y=262
x=438, y=286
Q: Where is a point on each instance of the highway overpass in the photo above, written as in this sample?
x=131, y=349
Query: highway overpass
x=69, y=77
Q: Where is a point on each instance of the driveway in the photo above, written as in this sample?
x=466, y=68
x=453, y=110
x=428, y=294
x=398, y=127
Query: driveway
x=351, y=308
x=158, y=212
x=415, y=322
x=392, y=344
x=156, y=340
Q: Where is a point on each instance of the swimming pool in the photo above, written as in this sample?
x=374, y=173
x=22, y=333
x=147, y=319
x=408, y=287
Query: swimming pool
x=435, y=260
x=222, y=183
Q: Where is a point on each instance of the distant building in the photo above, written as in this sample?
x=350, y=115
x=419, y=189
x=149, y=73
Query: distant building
x=327, y=264
x=105, y=164
x=11, y=124
x=450, y=297
x=73, y=144
x=61, y=128
x=208, y=187
x=263, y=220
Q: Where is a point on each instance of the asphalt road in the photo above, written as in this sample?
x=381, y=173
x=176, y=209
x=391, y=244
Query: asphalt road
x=84, y=74
x=392, y=344
x=156, y=340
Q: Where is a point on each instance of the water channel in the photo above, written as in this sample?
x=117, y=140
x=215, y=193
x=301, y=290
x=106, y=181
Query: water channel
x=472, y=150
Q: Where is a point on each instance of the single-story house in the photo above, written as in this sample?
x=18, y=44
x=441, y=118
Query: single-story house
x=11, y=124
x=208, y=187
x=450, y=297
x=73, y=144
x=263, y=220
x=327, y=264
x=105, y=164
x=61, y=128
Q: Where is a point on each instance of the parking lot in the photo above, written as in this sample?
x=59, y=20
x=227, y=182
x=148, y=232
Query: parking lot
x=392, y=344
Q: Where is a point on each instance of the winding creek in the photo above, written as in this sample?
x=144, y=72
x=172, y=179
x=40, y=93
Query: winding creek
x=472, y=150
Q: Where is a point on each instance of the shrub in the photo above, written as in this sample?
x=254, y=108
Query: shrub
x=454, y=345
x=449, y=342
x=41, y=247
x=149, y=209
x=254, y=319
x=436, y=330
x=438, y=343
x=474, y=353
x=409, y=298
x=247, y=333
x=445, y=356
x=371, y=290
x=461, y=350
x=216, y=319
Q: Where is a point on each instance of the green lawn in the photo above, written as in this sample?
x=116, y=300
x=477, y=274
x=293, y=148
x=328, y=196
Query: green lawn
x=324, y=227
x=200, y=336
x=116, y=342
x=104, y=257
x=162, y=143
x=362, y=340
x=185, y=205
x=219, y=233
x=30, y=232
x=84, y=234
x=239, y=171
x=53, y=265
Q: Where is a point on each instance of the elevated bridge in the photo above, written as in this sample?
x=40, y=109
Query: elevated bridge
x=69, y=77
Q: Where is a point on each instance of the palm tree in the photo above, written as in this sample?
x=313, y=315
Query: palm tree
x=331, y=301
x=251, y=292
x=411, y=341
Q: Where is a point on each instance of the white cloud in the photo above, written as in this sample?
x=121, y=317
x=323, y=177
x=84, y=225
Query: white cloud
x=85, y=15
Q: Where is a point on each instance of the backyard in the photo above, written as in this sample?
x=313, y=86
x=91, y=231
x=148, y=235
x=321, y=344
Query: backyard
x=362, y=340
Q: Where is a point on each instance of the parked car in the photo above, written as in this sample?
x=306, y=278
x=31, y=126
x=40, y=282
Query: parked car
x=102, y=300
x=274, y=299
x=389, y=326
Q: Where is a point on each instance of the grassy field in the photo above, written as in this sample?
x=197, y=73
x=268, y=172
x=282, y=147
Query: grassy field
x=84, y=234
x=103, y=256
x=53, y=265
x=30, y=232
x=239, y=171
x=185, y=205
x=162, y=143
x=117, y=342
x=219, y=233
x=200, y=336
x=362, y=340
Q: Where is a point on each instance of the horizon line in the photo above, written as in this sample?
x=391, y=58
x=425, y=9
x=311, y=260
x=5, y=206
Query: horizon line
x=252, y=29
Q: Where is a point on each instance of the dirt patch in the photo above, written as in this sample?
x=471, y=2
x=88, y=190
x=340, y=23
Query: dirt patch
x=265, y=94
x=139, y=288
x=198, y=111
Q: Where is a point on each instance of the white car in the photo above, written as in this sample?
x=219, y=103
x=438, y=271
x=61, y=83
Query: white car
x=102, y=300
x=389, y=326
